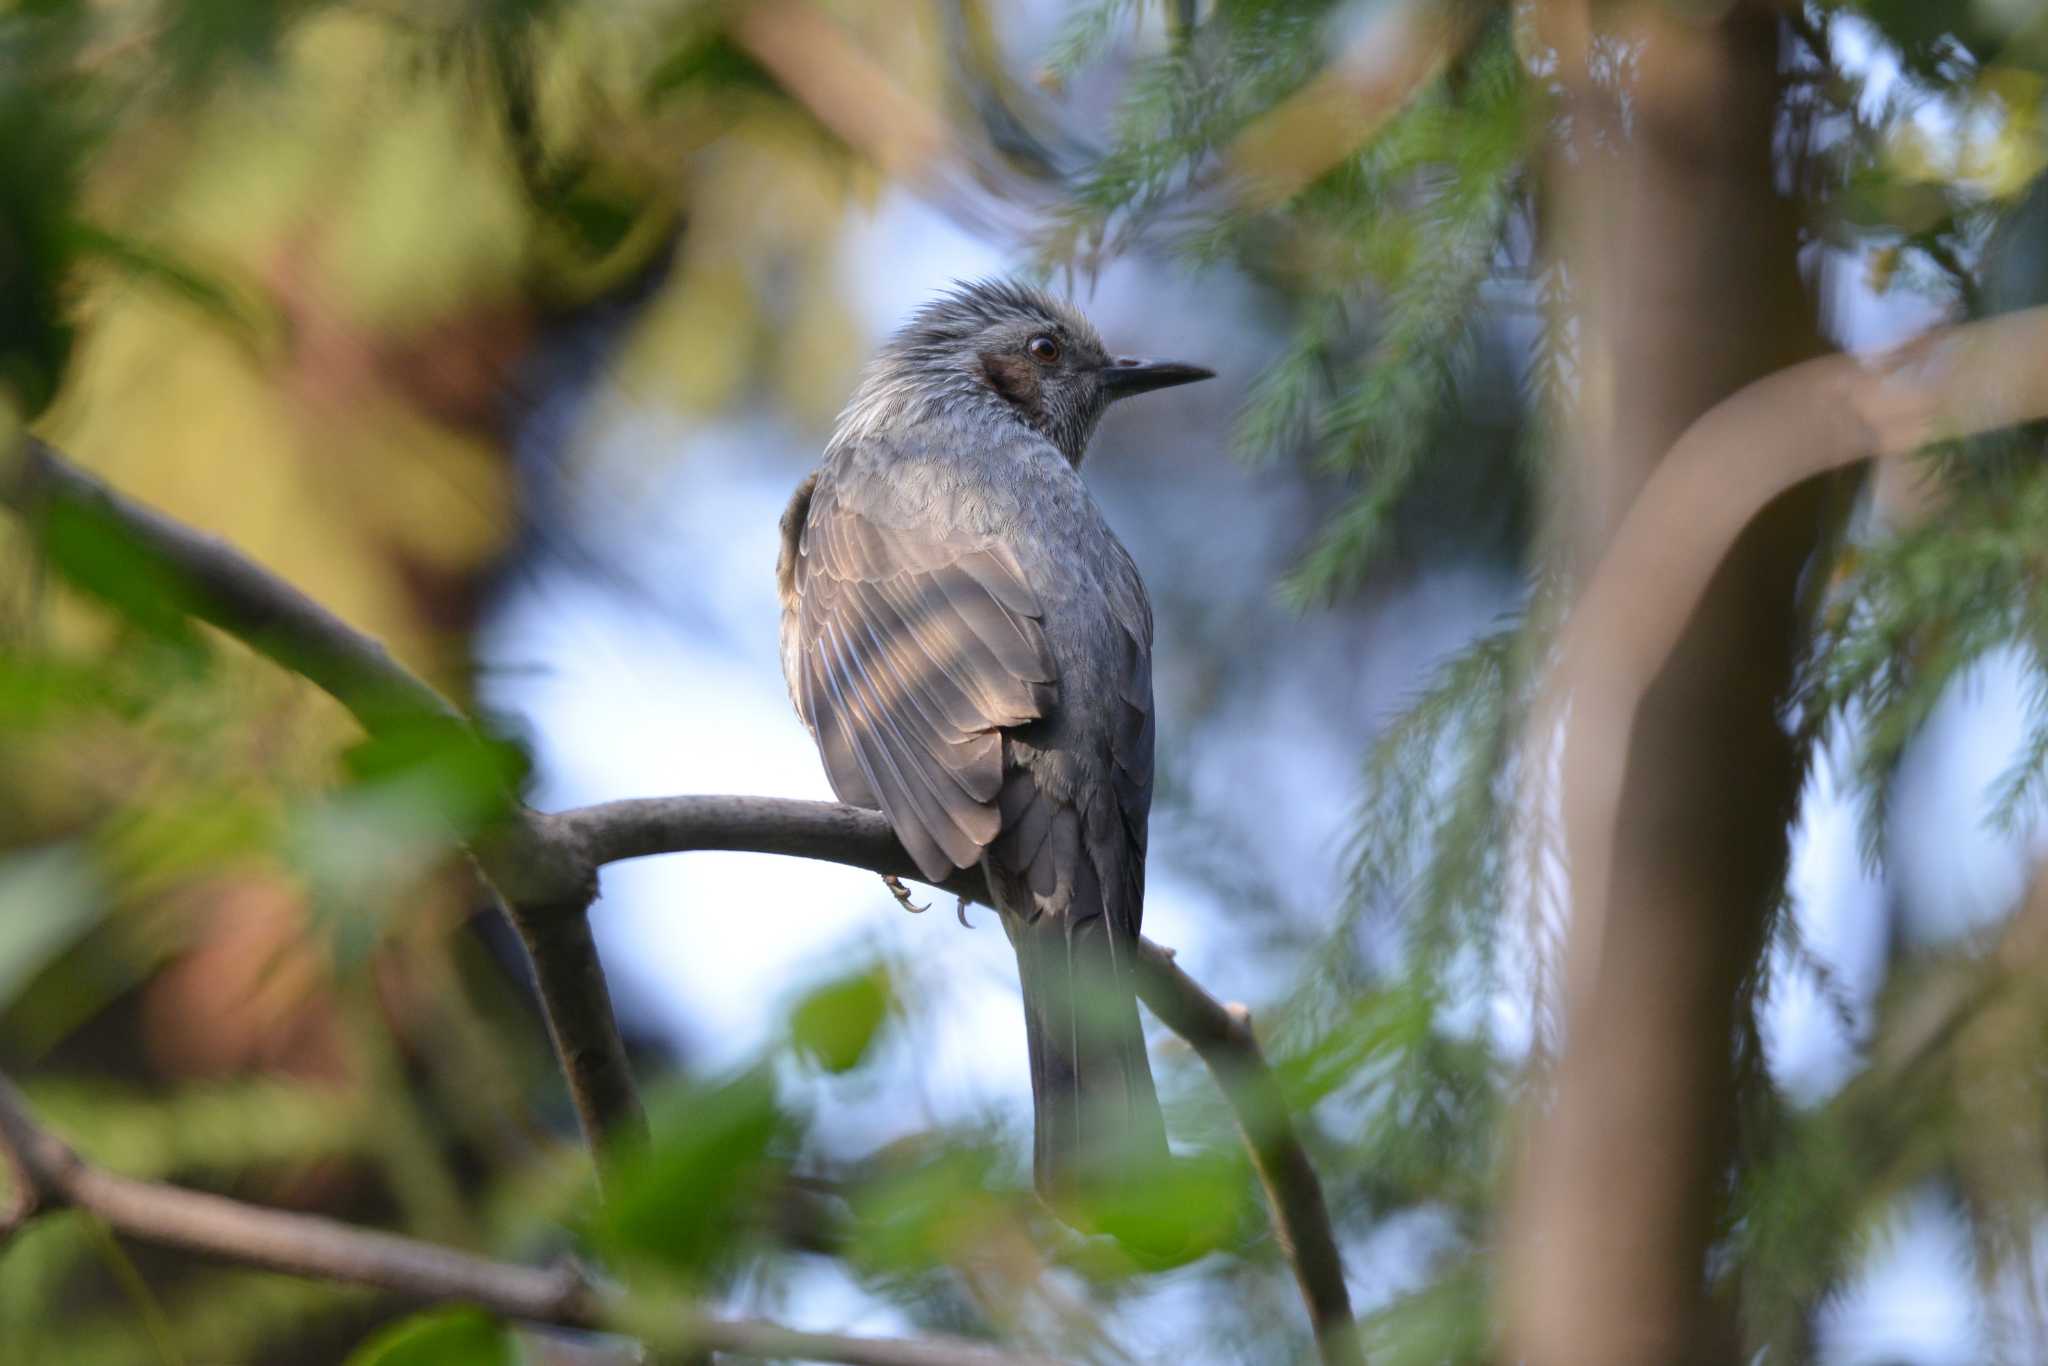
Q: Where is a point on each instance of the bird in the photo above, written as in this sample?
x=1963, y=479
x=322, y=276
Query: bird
x=970, y=645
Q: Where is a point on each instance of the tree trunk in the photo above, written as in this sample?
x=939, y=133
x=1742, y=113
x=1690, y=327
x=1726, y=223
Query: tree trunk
x=1682, y=260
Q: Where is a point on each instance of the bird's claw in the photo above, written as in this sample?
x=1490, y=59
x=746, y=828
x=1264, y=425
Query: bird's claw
x=902, y=895
x=960, y=913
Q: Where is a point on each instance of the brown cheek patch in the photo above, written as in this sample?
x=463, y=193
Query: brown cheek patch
x=1014, y=377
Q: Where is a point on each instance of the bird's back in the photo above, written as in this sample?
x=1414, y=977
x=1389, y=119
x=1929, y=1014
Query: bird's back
x=940, y=493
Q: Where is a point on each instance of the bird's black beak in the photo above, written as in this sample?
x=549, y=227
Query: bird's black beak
x=1127, y=375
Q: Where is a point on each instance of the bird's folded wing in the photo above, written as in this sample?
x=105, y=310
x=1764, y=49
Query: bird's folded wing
x=914, y=651
x=1045, y=832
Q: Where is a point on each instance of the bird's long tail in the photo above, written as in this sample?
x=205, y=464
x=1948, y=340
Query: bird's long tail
x=1097, y=1112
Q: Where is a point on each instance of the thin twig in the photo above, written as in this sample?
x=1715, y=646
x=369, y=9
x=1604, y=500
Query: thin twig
x=571, y=981
x=422, y=1272
x=277, y=1240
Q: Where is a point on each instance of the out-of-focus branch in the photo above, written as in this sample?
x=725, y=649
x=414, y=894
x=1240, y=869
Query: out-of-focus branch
x=1221, y=1034
x=55, y=1177
x=547, y=900
x=1396, y=52
x=222, y=587
x=1822, y=415
x=297, y=1244
x=817, y=62
x=1807, y=420
x=1679, y=780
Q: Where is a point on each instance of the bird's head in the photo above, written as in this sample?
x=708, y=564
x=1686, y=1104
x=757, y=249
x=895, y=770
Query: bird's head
x=1024, y=353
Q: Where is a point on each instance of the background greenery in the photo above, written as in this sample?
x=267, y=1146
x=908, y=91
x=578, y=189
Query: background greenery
x=310, y=274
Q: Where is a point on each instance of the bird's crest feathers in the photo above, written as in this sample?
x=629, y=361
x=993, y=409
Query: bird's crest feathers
x=972, y=305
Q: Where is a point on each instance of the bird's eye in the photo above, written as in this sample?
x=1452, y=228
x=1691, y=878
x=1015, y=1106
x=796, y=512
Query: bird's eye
x=1044, y=350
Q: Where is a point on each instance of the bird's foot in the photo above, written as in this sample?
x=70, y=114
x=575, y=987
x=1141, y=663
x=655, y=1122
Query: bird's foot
x=902, y=895
x=960, y=913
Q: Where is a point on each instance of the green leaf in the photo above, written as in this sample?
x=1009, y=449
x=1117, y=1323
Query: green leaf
x=927, y=1212
x=443, y=1337
x=1180, y=1213
x=358, y=850
x=469, y=778
x=681, y=1202
x=835, y=1025
x=96, y=554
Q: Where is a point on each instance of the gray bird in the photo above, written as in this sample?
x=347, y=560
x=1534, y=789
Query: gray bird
x=971, y=647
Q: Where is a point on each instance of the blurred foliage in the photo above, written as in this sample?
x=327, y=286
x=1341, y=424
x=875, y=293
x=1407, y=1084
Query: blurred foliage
x=303, y=274
x=683, y=1202
x=835, y=1024
x=448, y=1337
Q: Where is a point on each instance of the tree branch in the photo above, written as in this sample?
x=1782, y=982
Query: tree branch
x=544, y=866
x=641, y=827
x=1791, y=426
x=1662, y=210
x=223, y=588
x=54, y=1176
x=546, y=900
x=1221, y=1034
x=297, y=1244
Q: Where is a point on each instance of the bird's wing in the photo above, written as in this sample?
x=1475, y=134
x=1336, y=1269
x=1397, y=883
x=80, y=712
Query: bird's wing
x=1045, y=829
x=912, y=650
x=1132, y=742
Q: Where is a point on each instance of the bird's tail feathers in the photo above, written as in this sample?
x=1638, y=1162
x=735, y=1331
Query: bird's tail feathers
x=1096, y=1109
